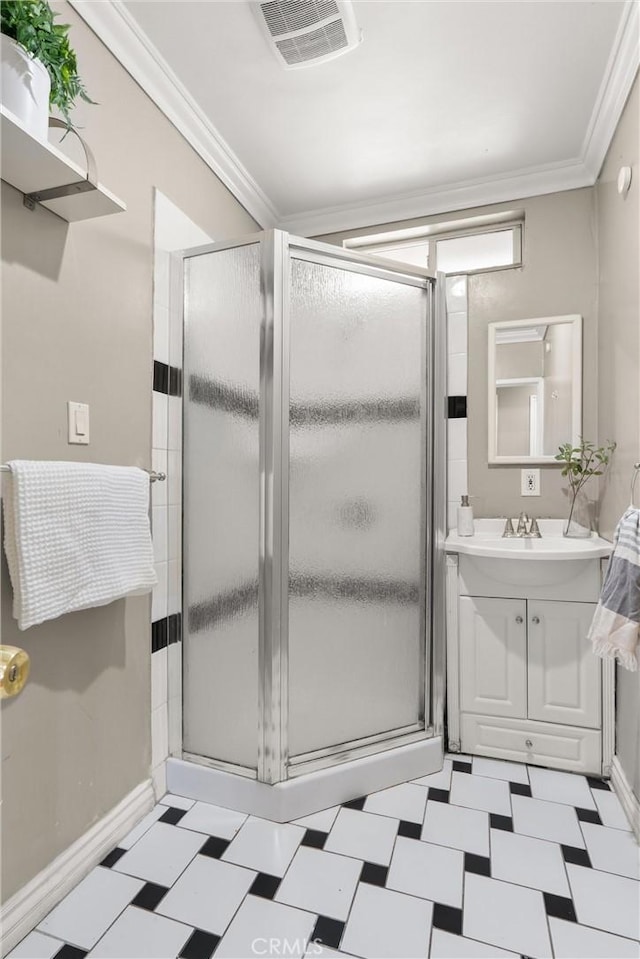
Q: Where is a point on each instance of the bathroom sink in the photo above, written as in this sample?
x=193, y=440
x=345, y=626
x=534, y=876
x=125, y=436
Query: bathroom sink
x=488, y=542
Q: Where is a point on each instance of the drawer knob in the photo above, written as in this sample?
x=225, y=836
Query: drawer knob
x=535, y=620
x=518, y=620
x=528, y=744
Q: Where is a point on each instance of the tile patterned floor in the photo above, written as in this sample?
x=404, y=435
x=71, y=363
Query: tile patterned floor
x=484, y=859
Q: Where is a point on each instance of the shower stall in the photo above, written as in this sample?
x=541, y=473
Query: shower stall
x=314, y=470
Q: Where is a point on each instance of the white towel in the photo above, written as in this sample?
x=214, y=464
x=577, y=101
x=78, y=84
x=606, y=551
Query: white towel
x=616, y=622
x=76, y=535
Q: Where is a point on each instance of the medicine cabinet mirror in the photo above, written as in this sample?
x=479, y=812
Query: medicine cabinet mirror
x=535, y=388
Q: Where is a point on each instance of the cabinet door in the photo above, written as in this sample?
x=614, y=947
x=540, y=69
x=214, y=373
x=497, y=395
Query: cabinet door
x=493, y=656
x=564, y=675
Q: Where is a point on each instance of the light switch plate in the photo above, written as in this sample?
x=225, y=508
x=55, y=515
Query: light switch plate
x=78, y=423
x=530, y=482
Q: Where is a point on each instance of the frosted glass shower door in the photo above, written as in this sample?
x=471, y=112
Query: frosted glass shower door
x=308, y=498
x=357, y=505
x=223, y=314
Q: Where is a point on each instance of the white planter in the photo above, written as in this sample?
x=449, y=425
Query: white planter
x=25, y=87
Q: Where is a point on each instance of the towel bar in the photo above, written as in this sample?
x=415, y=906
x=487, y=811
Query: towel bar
x=636, y=470
x=154, y=476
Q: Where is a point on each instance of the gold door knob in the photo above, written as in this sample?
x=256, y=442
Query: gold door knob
x=14, y=670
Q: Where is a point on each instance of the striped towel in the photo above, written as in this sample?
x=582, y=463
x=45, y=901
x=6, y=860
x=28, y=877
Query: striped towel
x=616, y=623
x=76, y=535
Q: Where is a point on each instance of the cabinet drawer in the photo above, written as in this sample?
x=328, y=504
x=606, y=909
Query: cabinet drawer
x=559, y=747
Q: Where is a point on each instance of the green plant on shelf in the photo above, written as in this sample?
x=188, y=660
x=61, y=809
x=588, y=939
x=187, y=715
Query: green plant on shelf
x=31, y=24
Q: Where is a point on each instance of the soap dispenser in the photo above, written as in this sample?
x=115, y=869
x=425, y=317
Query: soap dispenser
x=465, y=518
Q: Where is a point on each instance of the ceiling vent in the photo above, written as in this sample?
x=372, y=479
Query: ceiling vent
x=304, y=32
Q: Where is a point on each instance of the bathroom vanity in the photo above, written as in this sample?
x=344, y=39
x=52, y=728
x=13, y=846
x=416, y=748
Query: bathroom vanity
x=522, y=682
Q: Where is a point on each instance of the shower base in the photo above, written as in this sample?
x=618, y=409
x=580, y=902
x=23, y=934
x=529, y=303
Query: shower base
x=308, y=793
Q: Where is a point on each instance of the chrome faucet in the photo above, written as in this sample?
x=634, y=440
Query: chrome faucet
x=534, y=529
x=527, y=528
x=509, y=531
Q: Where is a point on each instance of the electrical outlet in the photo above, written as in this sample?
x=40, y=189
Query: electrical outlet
x=530, y=482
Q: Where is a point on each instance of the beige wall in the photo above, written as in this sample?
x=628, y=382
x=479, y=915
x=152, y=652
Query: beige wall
x=558, y=277
x=619, y=373
x=77, y=303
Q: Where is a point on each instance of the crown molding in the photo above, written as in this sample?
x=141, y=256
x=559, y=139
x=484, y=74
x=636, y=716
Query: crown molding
x=535, y=181
x=122, y=36
x=619, y=75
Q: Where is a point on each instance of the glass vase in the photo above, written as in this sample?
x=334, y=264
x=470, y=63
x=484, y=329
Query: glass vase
x=579, y=521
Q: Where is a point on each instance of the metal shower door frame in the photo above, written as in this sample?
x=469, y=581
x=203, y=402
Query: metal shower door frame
x=275, y=763
x=278, y=249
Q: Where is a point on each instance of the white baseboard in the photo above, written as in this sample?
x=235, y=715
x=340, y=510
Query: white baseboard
x=625, y=794
x=24, y=910
x=309, y=793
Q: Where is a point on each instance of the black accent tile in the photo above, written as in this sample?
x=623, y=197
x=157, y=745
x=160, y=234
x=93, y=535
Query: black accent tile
x=520, y=789
x=265, y=886
x=598, y=783
x=314, y=838
x=461, y=767
x=456, y=407
x=150, y=895
x=355, y=803
x=174, y=628
x=112, y=857
x=214, y=847
x=579, y=857
x=374, y=874
x=447, y=918
x=478, y=864
x=173, y=815
x=501, y=822
x=159, y=634
x=328, y=931
x=175, y=381
x=560, y=907
x=160, y=377
x=410, y=830
x=588, y=815
x=438, y=795
x=70, y=952
x=199, y=945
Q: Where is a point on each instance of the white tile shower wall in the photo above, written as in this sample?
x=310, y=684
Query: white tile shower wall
x=457, y=482
x=173, y=231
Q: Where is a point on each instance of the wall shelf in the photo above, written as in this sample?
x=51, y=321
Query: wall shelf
x=33, y=166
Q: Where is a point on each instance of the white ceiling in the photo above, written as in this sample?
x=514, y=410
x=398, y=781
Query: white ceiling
x=443, y=104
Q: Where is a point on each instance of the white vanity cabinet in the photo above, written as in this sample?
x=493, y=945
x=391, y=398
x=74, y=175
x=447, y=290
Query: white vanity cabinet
x=522, y=682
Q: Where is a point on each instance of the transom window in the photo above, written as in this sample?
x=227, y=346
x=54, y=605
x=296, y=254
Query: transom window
x=471, y=245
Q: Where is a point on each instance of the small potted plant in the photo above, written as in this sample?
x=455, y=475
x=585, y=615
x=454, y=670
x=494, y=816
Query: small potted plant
x=580, y=463
x=39, y=68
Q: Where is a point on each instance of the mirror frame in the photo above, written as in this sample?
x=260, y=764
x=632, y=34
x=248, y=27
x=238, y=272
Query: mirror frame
x=576, y=406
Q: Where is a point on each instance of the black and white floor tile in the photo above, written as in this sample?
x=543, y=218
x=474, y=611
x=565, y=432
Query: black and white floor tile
x=484, y=859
